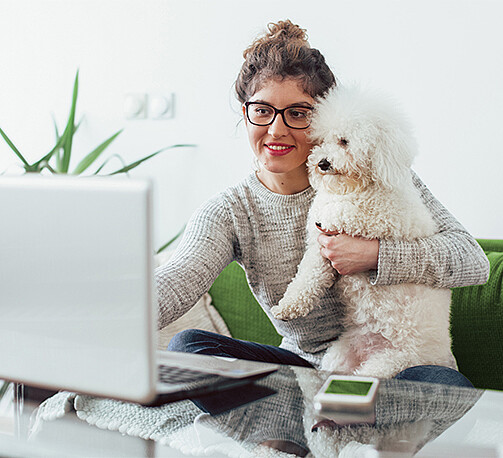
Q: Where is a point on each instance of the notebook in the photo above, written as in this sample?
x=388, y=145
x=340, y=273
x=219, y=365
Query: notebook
x=78, y=309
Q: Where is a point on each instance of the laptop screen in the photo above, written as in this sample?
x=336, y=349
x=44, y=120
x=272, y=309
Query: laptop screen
x=76, y=292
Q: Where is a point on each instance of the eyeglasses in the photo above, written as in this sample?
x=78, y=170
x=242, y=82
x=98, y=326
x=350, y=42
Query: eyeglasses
x=263, y=114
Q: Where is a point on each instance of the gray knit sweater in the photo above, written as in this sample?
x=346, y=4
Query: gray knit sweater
x=264, y=232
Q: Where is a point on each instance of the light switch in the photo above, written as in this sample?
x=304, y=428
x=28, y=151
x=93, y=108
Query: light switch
x=161, y=106
x=135, y=106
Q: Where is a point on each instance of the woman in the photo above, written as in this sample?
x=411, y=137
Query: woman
x=260, y=222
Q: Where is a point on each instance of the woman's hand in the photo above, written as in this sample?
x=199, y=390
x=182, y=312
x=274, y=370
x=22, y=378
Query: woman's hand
x=347, y=254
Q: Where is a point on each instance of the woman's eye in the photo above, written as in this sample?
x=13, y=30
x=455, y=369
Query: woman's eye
x=262, y=111
x=298, y=113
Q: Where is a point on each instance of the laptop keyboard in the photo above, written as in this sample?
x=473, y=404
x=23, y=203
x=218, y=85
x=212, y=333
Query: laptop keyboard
x=173, y=374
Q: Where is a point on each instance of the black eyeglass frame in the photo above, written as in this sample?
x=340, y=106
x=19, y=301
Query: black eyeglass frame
x=276, y=112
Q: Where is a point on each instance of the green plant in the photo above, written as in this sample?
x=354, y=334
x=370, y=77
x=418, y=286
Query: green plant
x=3, y=388
x=57, y=160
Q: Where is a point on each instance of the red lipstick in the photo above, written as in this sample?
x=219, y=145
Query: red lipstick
x=278, y=149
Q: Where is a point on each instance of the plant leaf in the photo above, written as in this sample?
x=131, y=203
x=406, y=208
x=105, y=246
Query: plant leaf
x=3, y=172
x=32, y=168
x=49, y=155
x=76, y=127
x=56, y=130
x=18, y=154
x=59, y=162
x=59, y=146
x=70, y=128
x=85, y=163
x=107, y=161
x=146, y=158
x=167, y=244
x=3, y=388
x=47, y=166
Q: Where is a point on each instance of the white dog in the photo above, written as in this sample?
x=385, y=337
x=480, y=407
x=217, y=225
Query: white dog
x=360, y=169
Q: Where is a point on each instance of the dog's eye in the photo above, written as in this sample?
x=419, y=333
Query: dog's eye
x=343, y=142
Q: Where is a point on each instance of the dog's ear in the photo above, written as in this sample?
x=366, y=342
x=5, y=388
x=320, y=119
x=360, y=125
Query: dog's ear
x=394, y=153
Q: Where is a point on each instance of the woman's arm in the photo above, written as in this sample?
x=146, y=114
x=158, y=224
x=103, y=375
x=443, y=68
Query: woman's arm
x=448, y=259
x=206, y=248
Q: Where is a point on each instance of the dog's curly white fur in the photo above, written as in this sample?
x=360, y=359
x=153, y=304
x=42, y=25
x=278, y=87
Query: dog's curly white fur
x=360, y=169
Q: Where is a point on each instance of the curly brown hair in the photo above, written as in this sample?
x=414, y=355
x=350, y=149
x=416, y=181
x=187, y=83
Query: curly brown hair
x=283, y=52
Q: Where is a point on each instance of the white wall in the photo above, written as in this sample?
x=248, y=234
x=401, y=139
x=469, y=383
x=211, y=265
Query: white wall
x=440, y=59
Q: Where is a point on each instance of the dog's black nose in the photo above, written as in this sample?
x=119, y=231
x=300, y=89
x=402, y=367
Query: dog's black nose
x=324, y=165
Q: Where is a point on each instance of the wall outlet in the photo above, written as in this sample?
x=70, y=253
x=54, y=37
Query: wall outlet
x=152, y=106
x=135, y=106
x=161, y=106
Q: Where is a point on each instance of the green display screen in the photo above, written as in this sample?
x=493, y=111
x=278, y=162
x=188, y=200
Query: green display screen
x=351, y=387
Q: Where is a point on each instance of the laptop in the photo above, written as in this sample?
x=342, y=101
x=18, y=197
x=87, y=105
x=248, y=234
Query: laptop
x=78, y=309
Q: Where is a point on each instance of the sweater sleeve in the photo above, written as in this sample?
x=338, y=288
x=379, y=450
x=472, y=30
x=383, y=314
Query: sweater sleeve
x=207, y=246
x=448, y=259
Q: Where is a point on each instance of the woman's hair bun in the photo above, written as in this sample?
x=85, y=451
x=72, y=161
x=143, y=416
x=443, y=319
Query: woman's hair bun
x=283, y=52
x=286, y=30
x=280, y=34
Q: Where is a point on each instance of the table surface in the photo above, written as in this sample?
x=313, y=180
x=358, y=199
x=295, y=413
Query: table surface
x=410, y=419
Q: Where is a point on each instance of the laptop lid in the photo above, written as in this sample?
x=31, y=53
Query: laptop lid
x=76, y=285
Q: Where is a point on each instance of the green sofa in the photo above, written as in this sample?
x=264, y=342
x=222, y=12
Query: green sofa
x=476, y=318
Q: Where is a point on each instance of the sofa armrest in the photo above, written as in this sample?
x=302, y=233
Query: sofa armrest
x=477, y=324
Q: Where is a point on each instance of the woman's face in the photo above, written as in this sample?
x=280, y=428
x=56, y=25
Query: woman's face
x=278, y=148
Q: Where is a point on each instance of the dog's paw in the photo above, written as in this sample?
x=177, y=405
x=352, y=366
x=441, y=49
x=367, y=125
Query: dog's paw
x=375, y=370
x=280, y=312
x=338, y=358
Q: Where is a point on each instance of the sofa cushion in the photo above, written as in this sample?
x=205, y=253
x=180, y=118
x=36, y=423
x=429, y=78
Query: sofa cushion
x=241, y=312
x=477, y=324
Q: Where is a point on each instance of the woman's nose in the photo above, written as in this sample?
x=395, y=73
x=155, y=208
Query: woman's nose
x=278, y=128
